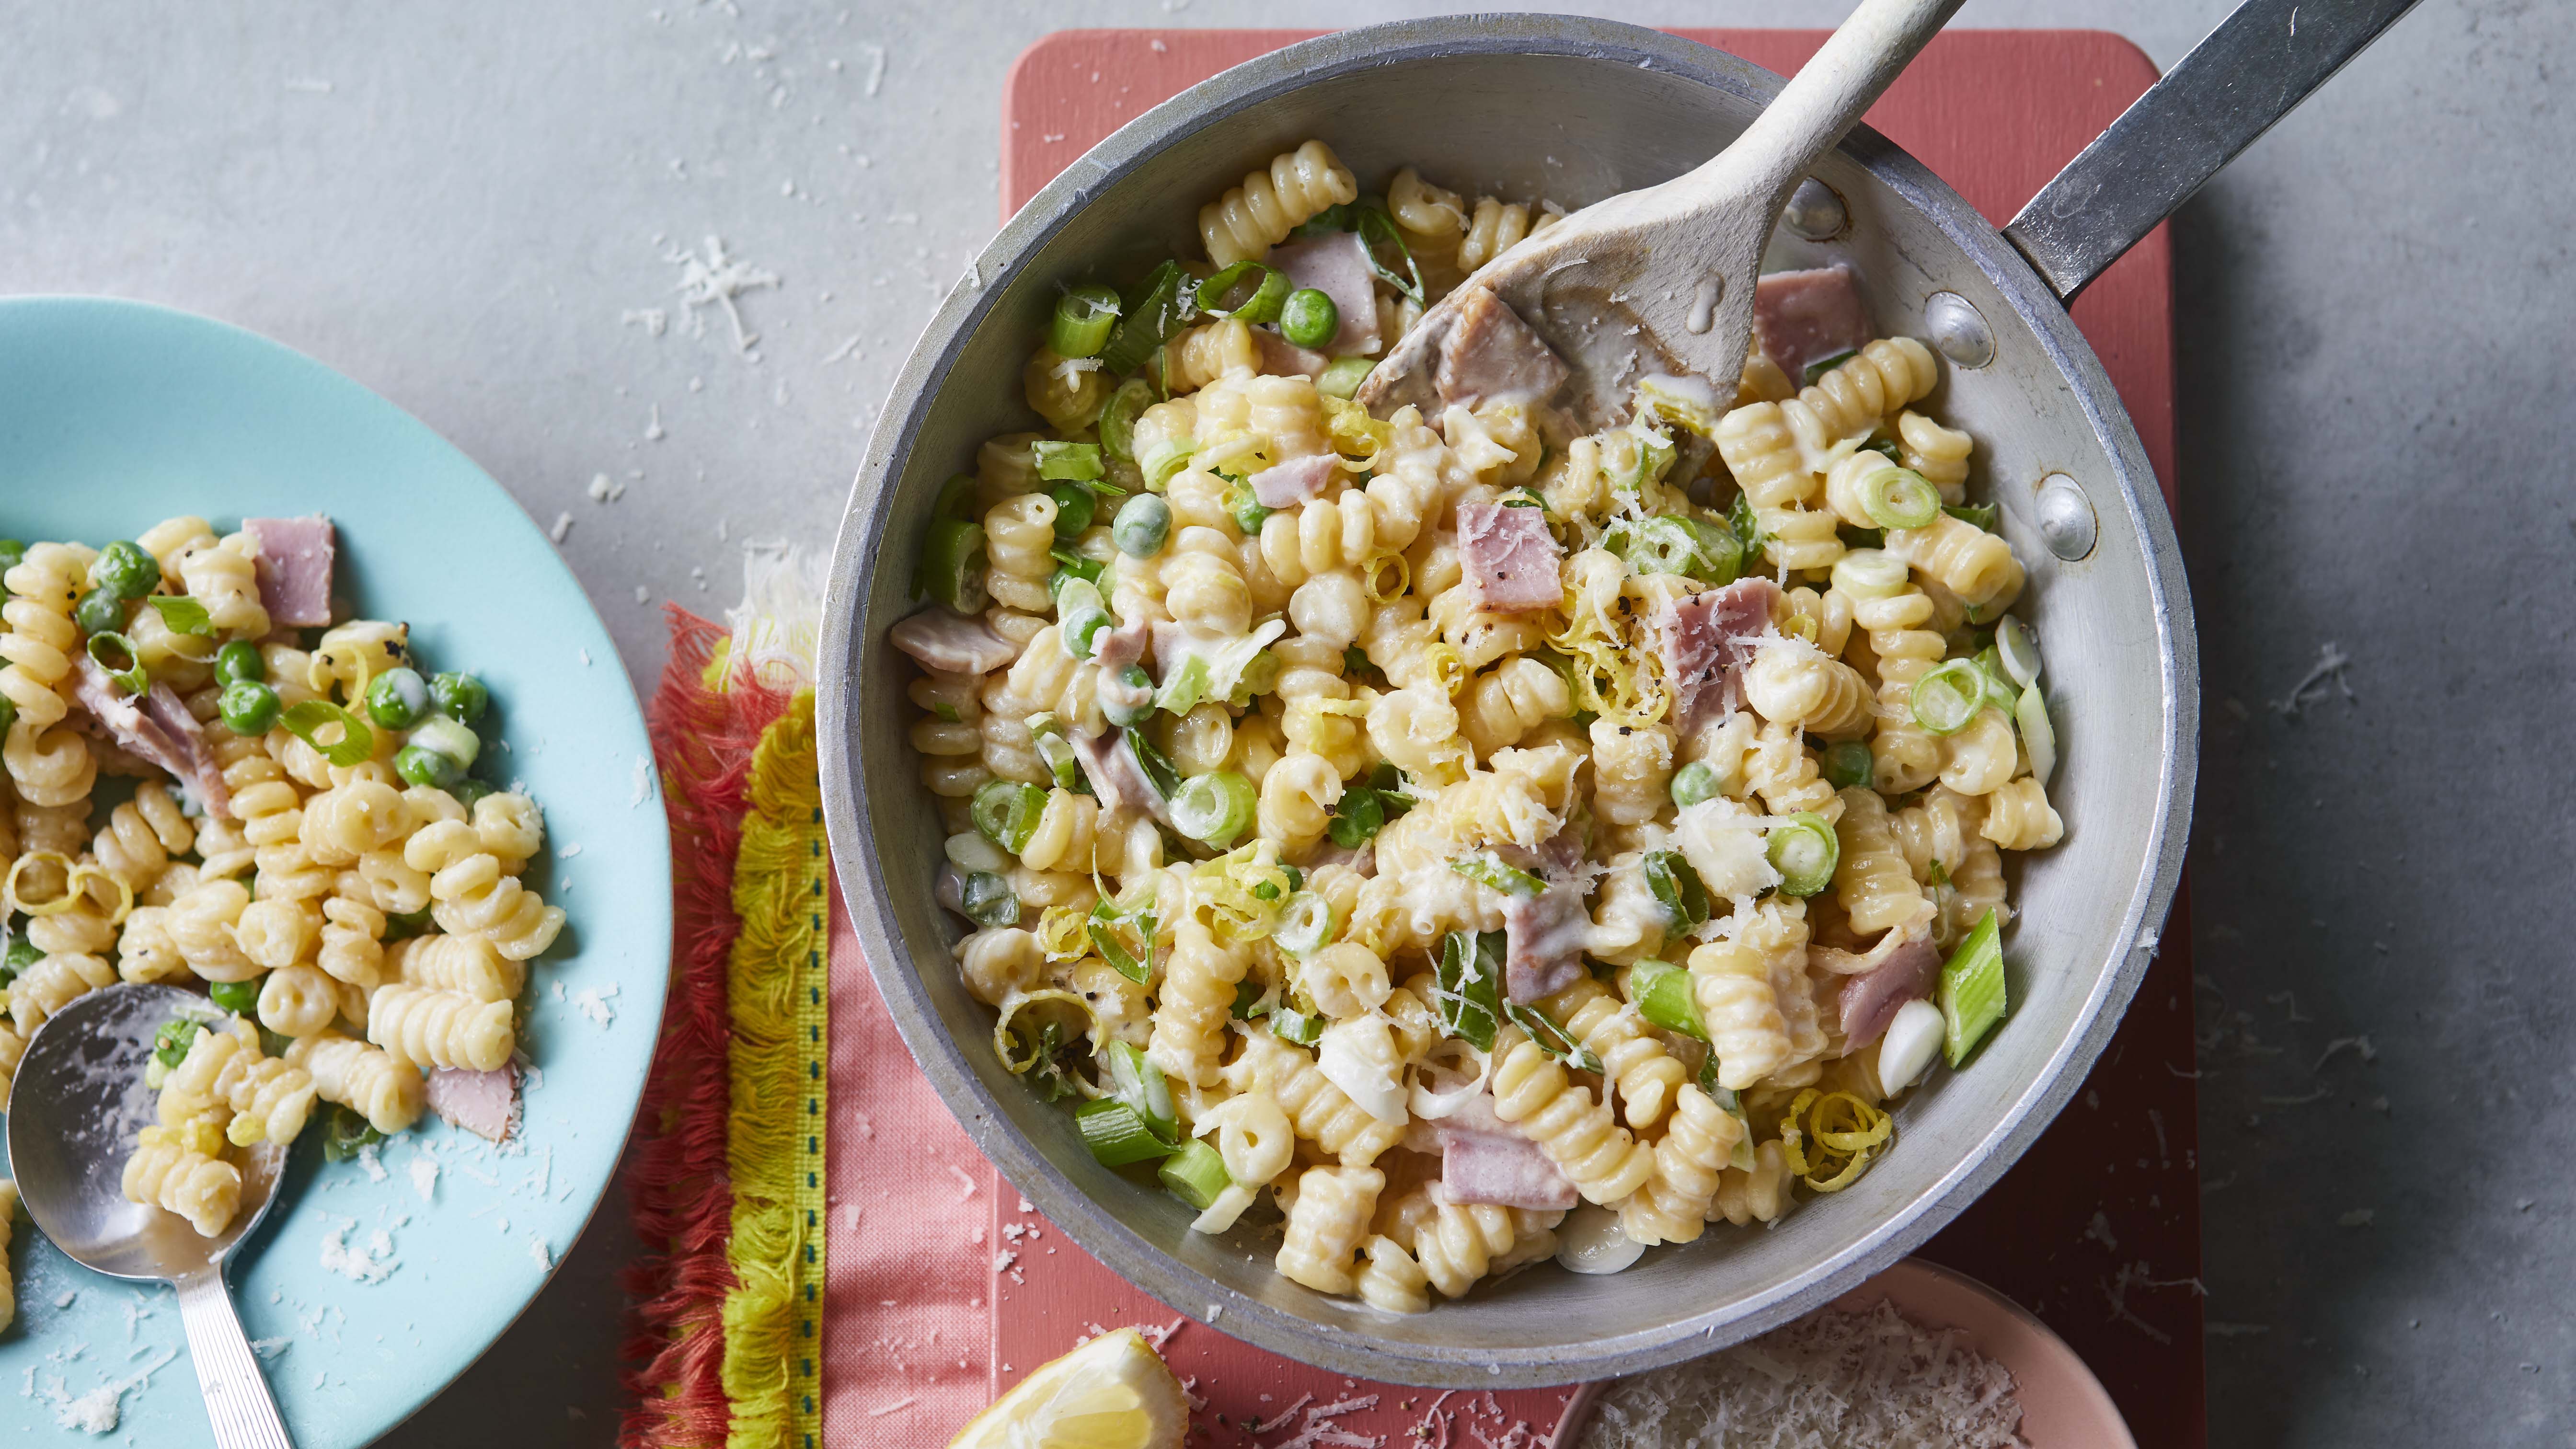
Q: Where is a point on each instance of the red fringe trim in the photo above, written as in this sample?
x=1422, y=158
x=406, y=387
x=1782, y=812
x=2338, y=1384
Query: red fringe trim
x=680, y=1195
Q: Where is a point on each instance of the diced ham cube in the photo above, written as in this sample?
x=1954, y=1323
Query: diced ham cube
x=483, y=1103
x=1804, y=317
x=1490, y=355
x=295, y=563
x=1501, y=1168
x=1543, y=938
x=1706, y=639
x=1299, y=480
x=156, y=726
x=1509, y=555
x=1117, y=780
x=1337, y=266
x=1280, y=357
x=952, y=643
x=1869, y=1001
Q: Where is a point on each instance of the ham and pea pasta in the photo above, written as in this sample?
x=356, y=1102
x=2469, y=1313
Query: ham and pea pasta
x=213, y=781
x=1440, y=823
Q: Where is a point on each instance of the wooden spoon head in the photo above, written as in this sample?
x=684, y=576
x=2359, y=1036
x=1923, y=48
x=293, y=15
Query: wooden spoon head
x=1618, y=293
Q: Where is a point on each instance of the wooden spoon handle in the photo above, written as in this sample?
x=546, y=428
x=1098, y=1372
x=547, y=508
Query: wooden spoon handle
x=1822, y=101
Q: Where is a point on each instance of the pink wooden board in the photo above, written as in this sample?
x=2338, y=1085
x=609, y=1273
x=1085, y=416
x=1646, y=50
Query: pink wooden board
x=2096, y=1230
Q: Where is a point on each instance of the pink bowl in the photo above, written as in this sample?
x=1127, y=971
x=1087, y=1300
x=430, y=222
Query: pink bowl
x=2062, y=1405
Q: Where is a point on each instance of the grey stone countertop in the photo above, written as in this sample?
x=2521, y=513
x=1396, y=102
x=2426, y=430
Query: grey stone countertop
x=476, y=209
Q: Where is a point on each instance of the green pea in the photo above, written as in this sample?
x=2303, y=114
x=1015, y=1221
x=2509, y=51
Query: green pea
x=469, y=790
x=239, y=997
x=249, y=707
x=1309, y=318
x=100, y=611
x=427, y=767
x=240, y=660
x=397, y=698
x=125, y=570
x=1135, y=704
x=1143, y=526
x=1073, y=509
x=459, y=697
x=1693, y=783
x=1848, y=764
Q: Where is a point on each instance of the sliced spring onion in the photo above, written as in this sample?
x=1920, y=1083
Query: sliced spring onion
x=2018, y=648
x=1678, y=888
x=1488, y=870
x=1084, y=317
x=114, y=653
x=1157, y=768
x=990, y=901
x=1469, y=986
x=1195, y=1174
x=952, y=564
x=1748, y=528
x=1152, y=315
x=1972, y=989
x=1007, y=812
x=1817, y=369
x=1131, y=702
x=1691, y=547
x=1805, y=852
x=1071, y=566
x=1343, y=376
x=183, y=615
x=1948, y=697
x=1848, y=764
x=1252, y=999
x=1662, y=992
x=1860, y=537
x=1983, y=515
x=1247, y=290
x=1524, y=497
x=1306, y=923
x=352, y=743
x=1378, y=230
x=1142, y=527
x=1070, y=462
x=1913, y=1039
x=1184, y=687
x=2001, y=692
x=449, y=737
x=956, y=498
x=1655, y=455
x=1302, y=1027
x=1136, y=1081
x=1247, y=511
x=1869, y=573
x=1061, y=763
x=1115, y=1134
x=1118, y=419
x=1081, y=614
x=2038, y=735
x=969, y=850
x=1213, y=808
x=1163, y=461
x=1552, y=1039
x=1900, y=498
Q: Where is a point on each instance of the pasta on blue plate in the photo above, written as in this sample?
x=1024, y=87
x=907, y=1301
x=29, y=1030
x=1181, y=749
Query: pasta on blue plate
x=301, y=837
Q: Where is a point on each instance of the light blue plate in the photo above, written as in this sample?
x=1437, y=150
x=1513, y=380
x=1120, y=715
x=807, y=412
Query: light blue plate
x=114, y=415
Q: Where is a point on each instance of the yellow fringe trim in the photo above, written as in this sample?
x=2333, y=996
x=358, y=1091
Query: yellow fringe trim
x=774, y=1148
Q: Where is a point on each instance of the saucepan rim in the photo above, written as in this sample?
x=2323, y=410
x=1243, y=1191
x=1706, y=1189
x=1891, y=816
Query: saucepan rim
x=2130, y=502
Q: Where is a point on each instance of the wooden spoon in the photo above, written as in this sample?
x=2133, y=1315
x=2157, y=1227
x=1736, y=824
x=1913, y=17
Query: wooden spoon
x=1658, y=281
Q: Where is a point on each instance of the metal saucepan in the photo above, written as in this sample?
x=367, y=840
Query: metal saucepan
x=1576, y=110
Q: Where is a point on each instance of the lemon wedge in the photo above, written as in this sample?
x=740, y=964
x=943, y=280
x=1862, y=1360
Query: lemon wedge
x=1111, y=1393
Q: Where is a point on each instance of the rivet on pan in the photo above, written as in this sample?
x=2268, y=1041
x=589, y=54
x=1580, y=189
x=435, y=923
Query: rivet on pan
x=2066, y=521
x=1816, y=212
x=1957, y=328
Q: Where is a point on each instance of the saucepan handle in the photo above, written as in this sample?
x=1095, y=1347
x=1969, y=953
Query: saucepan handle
x=2248, y=73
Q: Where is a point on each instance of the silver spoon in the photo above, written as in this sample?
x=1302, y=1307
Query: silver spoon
x=1661, y=280
x=78, y=1102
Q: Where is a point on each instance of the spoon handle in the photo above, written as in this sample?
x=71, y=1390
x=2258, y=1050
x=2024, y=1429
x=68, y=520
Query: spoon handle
x=237, y=1397
x=1827, y=96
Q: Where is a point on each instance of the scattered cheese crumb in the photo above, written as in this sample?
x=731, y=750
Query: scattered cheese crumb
x=562, y=528
x=965, y=1184
x=642, y=597
x=372, y=1264
x=643, y=775
x=65, y=1300
x=271, y=1347
x=424, y=1176
x=653, y=425
x=653, y=320
x=718, y=279
x=605, y=490
x=538, y=1250
x=593, y=1003
x=371, y=1158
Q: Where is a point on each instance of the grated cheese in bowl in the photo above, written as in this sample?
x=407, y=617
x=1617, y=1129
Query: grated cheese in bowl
x=1874, y=1379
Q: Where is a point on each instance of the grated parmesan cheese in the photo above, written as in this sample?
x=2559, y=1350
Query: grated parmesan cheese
x=1869, y=1378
